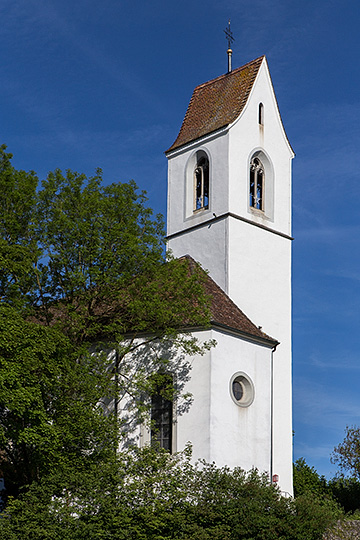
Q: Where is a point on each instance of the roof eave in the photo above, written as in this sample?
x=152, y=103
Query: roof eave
x=264, y=340
x=195, y=142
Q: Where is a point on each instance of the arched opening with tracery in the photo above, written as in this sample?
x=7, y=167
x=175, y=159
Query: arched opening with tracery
x=201, y=183
x=257, y=181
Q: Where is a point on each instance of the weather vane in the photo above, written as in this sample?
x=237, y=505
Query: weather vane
x=230, y=40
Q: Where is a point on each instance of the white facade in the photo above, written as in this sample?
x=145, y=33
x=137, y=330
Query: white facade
x=217, y=427
x=248, y=254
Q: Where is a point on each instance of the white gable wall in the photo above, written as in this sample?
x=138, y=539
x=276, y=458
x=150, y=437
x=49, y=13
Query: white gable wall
x=246, y=136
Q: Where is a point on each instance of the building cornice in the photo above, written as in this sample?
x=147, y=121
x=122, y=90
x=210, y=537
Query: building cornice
x=222, y=217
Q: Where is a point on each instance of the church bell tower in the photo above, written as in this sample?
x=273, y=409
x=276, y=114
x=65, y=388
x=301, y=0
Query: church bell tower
x=229, y=207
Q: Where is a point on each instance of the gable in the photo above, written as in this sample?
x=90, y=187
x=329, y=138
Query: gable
x=217, y=103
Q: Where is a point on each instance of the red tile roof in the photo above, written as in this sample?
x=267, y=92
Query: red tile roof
x=226, y=314
x=217, y=103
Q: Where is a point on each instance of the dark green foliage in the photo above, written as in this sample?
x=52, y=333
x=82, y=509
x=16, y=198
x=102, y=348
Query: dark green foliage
x=18, y=247
x=152, y=495
x=90, y=259
x=96, y=241
x=307, y=480
x=48, y=397
x=346, y=489
x=347, y=493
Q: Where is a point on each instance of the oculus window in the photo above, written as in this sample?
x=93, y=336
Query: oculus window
x=242, y=389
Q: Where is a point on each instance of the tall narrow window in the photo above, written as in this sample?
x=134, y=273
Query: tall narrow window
x=201, y=184
x=261, y=114
x=256, y=184
x=162, y=412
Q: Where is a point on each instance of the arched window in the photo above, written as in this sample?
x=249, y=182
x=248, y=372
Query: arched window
x=257, y=178
x=162, y=412
x=201, y=184
x=261, y=114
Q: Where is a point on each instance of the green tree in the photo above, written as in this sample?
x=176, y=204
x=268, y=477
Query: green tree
x=48, y=397
x=90, y=308
x=347, y=493
x=307, y=480
x=18, y=248
x=347, y=454
x=90, y=258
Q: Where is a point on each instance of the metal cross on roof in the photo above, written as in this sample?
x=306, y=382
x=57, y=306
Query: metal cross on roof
x=230, y=39
x=229, y=35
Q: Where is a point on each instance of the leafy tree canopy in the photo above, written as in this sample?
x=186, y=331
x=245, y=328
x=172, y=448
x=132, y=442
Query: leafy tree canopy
x=48, y=397
x=18, y=248
x=347, y=453
x=89, y=307
x=307, y=480
x=345, y=491
x=90, y=258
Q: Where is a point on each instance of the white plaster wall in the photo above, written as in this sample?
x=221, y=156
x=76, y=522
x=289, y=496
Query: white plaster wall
x=259, y=275
x=250, y=263
x=260, y=283
x=194, y=426
x=206, y=245
x=181, y=184
x=259, y=261
x=220, y=430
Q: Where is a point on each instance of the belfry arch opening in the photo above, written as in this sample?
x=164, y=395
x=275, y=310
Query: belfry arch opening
x=198, y=184
x=257, y=184
x=201, y=182
x=261, y=185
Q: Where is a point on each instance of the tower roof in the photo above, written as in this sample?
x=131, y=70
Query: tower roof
x=217, y=103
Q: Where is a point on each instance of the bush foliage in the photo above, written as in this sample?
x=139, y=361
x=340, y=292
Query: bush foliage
x=151, y=495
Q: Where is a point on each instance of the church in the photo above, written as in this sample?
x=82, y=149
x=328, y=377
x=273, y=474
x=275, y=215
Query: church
x=229, y=209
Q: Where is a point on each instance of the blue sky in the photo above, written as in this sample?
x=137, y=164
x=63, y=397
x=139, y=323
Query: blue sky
x=106, y=84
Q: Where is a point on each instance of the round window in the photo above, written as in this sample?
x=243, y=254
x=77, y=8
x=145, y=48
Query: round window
x=242, y=389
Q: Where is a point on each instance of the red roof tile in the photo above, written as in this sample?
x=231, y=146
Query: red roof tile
x=217, y=103
x=225, y=313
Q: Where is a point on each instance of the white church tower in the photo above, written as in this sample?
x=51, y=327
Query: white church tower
x=229, y=208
